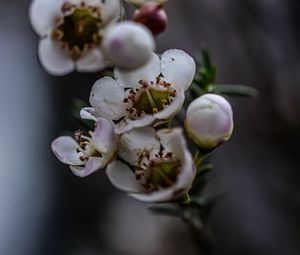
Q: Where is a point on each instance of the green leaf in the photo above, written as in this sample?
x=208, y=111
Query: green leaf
x=233, y=90
x=204, y=170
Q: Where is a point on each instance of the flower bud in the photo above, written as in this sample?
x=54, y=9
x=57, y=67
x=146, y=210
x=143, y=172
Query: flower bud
x=152, y=16
x=128, y=45
x=139, y=3
x=209, y=121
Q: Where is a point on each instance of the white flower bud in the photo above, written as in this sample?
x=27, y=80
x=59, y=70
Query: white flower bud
x=128, y=45
x=139, y=3
x=209, y=121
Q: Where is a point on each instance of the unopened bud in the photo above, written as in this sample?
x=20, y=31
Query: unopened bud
x=209, y=121
x=139, y=3
x=128, y=45
x=152, y=16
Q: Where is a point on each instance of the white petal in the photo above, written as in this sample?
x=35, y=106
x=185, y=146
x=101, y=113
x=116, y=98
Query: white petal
x=131, y=78
x=104, y=138
x=110, y=10
x=53, y=58
x=171, y=110
x=178, y=68
x=133, y=143
x=187, y=175
x=88, y=113
x=42, y=15
x=164, y=195
x=146, y=120
x=107, y=99
x=64, y=148
x=129, y=44
x=92, y=61
x=173, y=141
x=122, y=177
x=92, y=165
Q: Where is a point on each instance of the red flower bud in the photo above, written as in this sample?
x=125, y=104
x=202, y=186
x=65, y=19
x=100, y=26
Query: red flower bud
x=152, y=16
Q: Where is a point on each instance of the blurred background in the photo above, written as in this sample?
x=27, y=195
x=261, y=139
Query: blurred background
x=44, y=209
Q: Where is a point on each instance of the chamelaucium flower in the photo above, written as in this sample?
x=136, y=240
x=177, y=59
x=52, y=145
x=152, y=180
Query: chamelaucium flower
x=87, y=154
x=139, y=3
x=162, y=167
x=71, y=33
x=147, y=96
x=128, y=44
x=209, y=121
x=153, y=16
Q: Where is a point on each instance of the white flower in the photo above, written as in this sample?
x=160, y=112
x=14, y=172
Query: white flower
x=139, y=3
x=162, y=167
x=128, y=44
x=147, y=96
x=209, y=121
x=84, y=154
x=71, y=33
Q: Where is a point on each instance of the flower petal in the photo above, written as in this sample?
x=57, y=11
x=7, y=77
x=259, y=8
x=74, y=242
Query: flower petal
x=107, y=99
x=173, y=141
x=171, y=110
x=147, y=73
x=53, y=58
x=92, y=61
x=178, y=68
x=110, y=10
x=133, y=143
x=43, y=13
x=122, y=177
x=104, y=138
x=186, y=176
x=146, y=120
x=92, y=165
x=164, y=195
x=64, y=148
x=88, y=113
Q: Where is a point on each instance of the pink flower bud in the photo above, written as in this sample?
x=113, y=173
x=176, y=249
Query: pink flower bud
x=152, y=16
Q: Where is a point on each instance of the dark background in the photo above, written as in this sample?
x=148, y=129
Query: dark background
x=44, y=209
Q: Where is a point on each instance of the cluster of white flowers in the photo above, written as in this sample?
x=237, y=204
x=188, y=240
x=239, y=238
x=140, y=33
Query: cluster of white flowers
x=144, y=93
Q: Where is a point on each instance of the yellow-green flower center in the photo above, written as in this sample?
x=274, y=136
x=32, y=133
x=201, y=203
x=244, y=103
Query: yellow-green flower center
x=78, y=29
x=157, y=173
x=149, y=99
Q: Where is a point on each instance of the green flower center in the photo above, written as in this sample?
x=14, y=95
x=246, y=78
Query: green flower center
x=161, y=172
x=78, y=29
x=149, y=99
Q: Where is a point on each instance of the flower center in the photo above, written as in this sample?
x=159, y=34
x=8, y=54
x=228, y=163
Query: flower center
x=157, y=173
x=149, y=99
x=86, y=148
x=78, y=29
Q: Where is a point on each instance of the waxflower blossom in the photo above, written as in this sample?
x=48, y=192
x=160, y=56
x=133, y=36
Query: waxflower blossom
x=162, y=168
x=128, y=44
x=153, y=16
x=71, y=33
x=209, y=121
x=147, y=96
x=87, y=154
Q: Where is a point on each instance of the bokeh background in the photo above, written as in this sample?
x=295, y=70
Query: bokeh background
x=45, y=210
